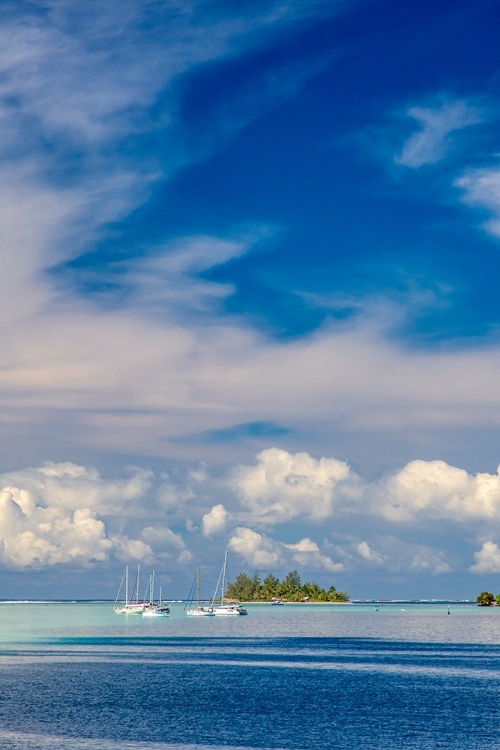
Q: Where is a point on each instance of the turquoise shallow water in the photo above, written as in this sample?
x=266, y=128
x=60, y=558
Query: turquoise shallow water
x=407, y=676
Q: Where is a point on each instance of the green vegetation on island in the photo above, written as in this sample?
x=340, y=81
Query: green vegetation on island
x=251, y=589
x=486, y=599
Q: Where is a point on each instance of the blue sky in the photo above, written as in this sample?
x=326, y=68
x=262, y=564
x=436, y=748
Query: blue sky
x=249, y=259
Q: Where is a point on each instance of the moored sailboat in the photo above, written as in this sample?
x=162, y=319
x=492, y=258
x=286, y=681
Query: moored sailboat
x=152, y=608
x=225, y=607
x=130, y=606
x=196, y=610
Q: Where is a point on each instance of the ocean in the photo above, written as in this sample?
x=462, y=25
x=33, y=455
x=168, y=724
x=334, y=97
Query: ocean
x=297, y=677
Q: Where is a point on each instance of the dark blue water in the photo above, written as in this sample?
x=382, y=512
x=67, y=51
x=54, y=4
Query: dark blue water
x=254, y=693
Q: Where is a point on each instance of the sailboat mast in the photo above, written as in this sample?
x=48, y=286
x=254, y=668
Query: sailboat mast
x=126, y=584
x=151, y=586
x=198, y=588
x=223, y=588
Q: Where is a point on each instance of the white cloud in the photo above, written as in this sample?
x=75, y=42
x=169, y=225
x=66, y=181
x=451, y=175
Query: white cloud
x=78, y=76
x=400, y=555
x=164, y=539
x=305, y=545
x=308, y=554
x=430, y=561
x=430, y=144
x=182, y=381
x=370, y=555
x=167, y=281
x=437, y=490
x=257, y=550
x=262, y=552
x=487, y=559
x=132, y=549
x=216, y=520
x=72, y=487
x=482, y=189
x=127, y=375
x=37, y=536
x=113, y=374
x=65, y=513
x=283, y=486
x=75, y=88
x=133, y=377
x=62, y=513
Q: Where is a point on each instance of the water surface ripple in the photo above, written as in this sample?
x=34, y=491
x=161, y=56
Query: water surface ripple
x=78, y=676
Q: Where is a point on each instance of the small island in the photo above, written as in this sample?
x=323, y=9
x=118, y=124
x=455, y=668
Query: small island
x=487, y=599
x=251, y=589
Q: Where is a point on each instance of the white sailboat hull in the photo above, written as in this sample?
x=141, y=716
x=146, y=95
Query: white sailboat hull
x=130, y=609
x=155, y=613
x=230, y=610
x=200, y=612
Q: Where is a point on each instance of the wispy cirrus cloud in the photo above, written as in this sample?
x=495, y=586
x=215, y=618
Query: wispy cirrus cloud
x=432, y=141
x=85, y=91
x=149, y=360
x=481, y=189
x=87, y=72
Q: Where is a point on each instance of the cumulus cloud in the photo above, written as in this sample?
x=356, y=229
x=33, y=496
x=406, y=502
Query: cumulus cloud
x=487, y=559
x=216, y=520
x=430, y=144
x=132, y=549
x=167, y=542
x=283, y=486
x=39, y=536
x=436, y=489
x=260, y=551
x=70, y=487
x=397, y=555
x=256, y=549
x=370, y=555
x=425, y=559
x=64, y=513
x=305, y=545
x=308, y=554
